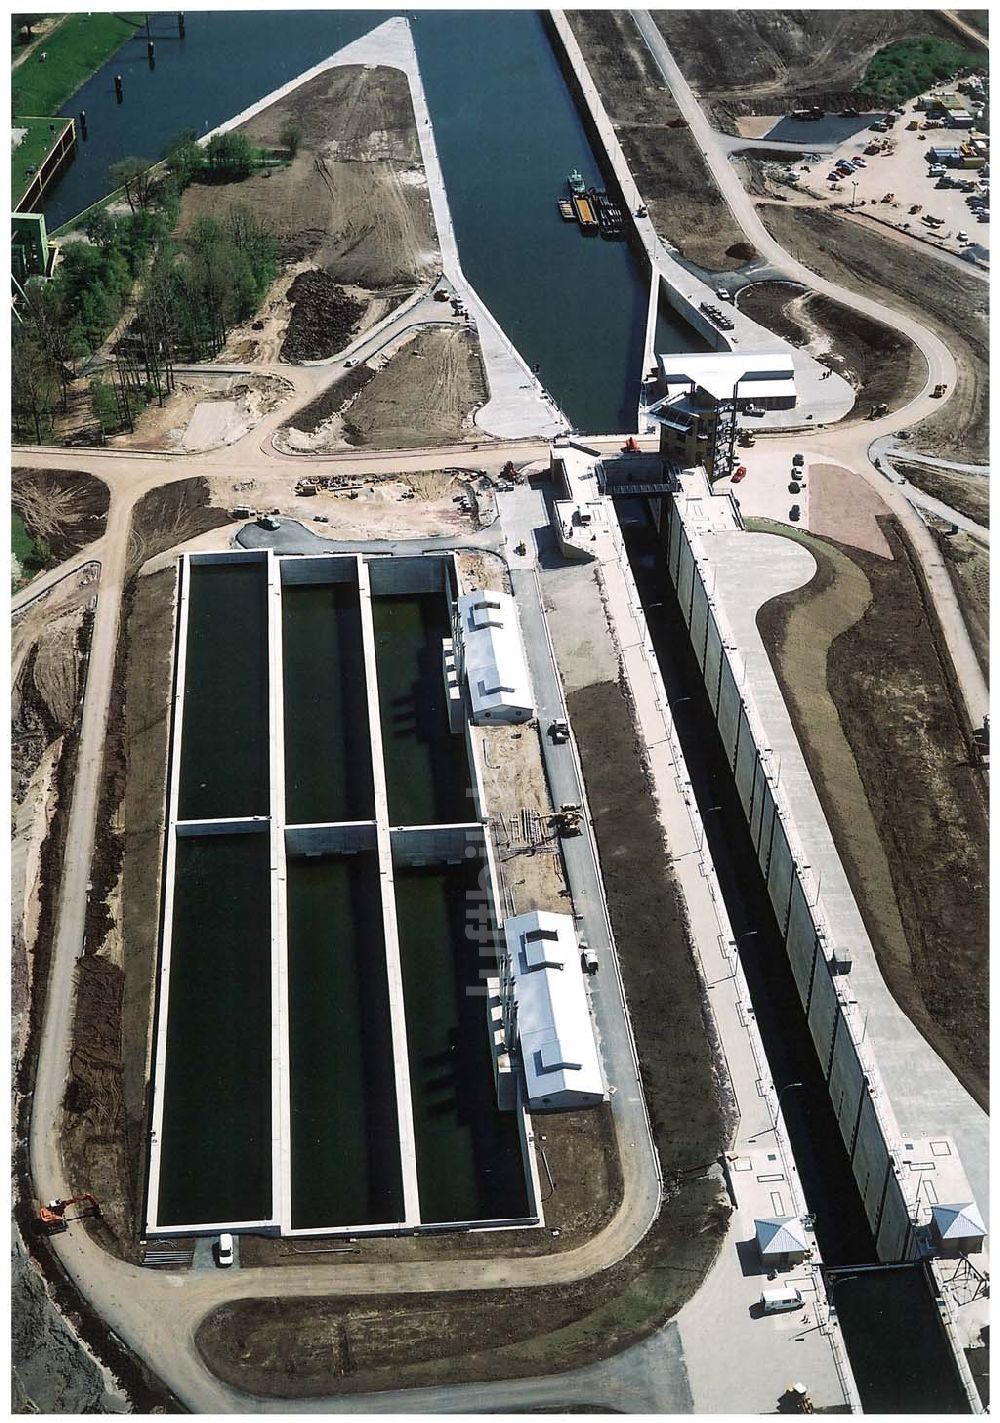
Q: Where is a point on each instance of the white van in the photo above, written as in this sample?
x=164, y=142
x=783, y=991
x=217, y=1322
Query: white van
x=778, y=1301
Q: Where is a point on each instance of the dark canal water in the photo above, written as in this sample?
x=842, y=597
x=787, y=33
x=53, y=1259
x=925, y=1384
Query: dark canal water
x=328, y=764
x=224, y=743
x=216, y=1149
x=426, y=765
x=906, y=1346
x=469, y=1163
x=507, y=132
x=345, y=1134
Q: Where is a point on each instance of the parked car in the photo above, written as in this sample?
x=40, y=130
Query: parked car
x=833, y=177
x=935, y=170
x=781, y=1300
x=739, y=475
x=859, y=163
x=224, y=1254
x=961, y=237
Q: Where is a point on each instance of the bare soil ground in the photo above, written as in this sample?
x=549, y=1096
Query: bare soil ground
x=426, y=394
x=922, y=883
x=768, y=61
x=354, y=199
x=347, y=1345
x=671, y=174
x=968, y=564
x=529, y=860
x=205, y=413
x=169, y=516
x=968, y=494
x=583, y=1157
x=844, y=507
x=953, y=303
x=66, y=508
x=879, y=363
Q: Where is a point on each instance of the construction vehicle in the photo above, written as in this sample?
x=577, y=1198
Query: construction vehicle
x=631, y=446
x=877, y=411
x=51, y=1218
x=747, y=438
x=568, y=820
x=939, y=390
x=559, y=731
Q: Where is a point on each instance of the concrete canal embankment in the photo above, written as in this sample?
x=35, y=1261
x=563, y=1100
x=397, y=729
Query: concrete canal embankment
x=323, y=1059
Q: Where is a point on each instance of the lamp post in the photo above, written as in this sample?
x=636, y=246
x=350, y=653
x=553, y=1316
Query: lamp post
x=747, y=934
x=777, y=1109
x=854, y=195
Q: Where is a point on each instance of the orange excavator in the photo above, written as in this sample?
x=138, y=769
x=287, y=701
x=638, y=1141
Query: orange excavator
x=52, y=1220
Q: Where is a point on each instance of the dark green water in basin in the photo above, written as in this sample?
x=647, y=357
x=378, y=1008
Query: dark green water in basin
x=328, y=766
x=224, y=743
x=345, y=1134
x=215, y=1163
x=426, y=766
x=469, y=1163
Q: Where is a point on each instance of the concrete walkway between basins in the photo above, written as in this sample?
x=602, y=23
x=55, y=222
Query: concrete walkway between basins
x=518, y=404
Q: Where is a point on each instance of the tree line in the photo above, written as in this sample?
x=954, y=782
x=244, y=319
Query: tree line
x=182, y=293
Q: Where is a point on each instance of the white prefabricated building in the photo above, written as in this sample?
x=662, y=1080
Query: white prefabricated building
x=491, y=657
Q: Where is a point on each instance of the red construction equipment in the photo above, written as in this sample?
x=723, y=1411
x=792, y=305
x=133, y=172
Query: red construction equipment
x=631, y=446
x=52, y=1220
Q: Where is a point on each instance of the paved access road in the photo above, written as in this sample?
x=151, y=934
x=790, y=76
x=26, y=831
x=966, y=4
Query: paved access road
x=850, y=442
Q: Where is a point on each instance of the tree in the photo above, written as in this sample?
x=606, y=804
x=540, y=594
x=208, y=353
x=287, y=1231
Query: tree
x=291, y=136
x=34, y=383
x=135, y=175
x=184, y=156
x=104, y=404
x=230, y=154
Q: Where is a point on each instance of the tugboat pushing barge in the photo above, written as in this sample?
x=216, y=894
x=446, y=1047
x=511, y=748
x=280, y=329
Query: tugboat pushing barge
x=591, y=208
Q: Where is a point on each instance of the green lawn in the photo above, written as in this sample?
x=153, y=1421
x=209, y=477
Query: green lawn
x=28, y=153
x=30, y=556
x=74, y=51
x=910, y=67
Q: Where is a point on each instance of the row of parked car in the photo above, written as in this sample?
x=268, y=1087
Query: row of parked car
x=845, y=168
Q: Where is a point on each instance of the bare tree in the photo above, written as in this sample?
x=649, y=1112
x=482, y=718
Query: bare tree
x=135, y=175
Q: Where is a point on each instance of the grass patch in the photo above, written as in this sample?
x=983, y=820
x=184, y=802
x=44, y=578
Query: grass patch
x=968, y=494
x=899, y=71
x=968, y=564
x=74, y=52
x=30, y=555
x=29, y=153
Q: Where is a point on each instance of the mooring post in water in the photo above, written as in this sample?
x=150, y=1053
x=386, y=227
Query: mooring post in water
x=119, y=90
x=180, y=23
x=151, y=54
x=83, y=123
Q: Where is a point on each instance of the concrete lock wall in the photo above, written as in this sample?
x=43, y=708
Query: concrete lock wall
x=860, y=1121
x=699, y=622
x=801, y=942
x=746, y=762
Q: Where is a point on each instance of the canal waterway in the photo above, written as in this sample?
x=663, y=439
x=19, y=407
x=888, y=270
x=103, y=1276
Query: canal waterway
x=328, y=764
x=215, y=1162
x=224, y=770
x=426, y=765
x=507, y=133
x=344, y=1129
x=911, y=1344
x=469, y=1161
